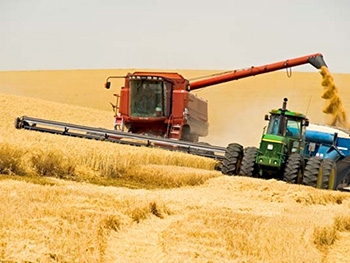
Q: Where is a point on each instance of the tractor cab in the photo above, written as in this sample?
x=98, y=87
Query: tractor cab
x=284, y=125
x=285, y=134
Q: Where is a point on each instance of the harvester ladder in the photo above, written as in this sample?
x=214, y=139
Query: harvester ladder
x=174, y=129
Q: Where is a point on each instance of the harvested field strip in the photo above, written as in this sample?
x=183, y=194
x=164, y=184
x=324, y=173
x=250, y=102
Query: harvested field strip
x=105, y=224
x=69, y=224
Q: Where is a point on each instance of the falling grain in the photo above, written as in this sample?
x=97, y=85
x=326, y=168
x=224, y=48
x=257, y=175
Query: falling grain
x=333, y=106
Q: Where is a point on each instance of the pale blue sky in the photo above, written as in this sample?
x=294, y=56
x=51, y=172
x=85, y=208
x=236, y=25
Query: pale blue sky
x=182, y=34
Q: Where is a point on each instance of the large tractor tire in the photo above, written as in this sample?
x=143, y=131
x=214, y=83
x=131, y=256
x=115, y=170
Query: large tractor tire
x=312, y=172
x=249, y=167
x=294, y=170
x=329, y=174
x=231, y=164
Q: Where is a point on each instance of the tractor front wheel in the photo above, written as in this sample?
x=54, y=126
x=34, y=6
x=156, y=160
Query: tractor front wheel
x=293, y=173
x=231, y=164
x=249, y=167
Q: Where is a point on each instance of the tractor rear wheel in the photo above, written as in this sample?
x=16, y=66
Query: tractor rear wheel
x=231, y=164
x=329, y=174
x=312, y=171
x=249, y=167
x=293, y=173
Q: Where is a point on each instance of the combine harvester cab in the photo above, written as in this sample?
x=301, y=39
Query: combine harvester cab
x=295, y=152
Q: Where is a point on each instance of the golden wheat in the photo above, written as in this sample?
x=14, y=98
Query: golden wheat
x=193, y=215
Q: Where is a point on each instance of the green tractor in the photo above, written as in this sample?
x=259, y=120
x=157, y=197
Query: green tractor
x=281, y=152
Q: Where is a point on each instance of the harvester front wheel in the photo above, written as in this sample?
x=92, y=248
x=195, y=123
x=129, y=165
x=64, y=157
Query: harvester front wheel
x=231, y=164
x=186, y=134
x=203, y=152
x=249, y=167
x=329, y=174
x=312, y=171
x=293, y=173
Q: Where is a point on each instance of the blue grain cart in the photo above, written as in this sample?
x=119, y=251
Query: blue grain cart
x=327, y=152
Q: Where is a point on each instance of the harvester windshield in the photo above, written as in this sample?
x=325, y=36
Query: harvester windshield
x=149, y=98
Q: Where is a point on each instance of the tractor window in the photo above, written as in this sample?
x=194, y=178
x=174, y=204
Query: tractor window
x=147, y=98
x=274, y=124
x=290, y=127
x=293, y=128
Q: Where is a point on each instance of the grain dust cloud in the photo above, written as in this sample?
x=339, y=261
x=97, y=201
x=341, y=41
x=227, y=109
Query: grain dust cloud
x=333, y=106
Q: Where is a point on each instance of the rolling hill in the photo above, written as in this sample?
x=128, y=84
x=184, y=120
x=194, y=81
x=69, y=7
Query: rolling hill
x=107, y=202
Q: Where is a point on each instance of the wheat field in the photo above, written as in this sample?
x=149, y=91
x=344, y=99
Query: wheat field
x=73, y=200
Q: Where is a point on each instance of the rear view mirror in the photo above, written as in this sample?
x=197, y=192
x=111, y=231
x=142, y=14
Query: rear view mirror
x=107, y=85
x=266, y=117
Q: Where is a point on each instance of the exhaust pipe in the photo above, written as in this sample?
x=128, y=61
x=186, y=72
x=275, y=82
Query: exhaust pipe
x=282, y=122
x=284, y=105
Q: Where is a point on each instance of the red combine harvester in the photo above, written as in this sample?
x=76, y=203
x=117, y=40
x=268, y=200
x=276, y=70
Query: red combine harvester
x=160, y=104
x=157, y=109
